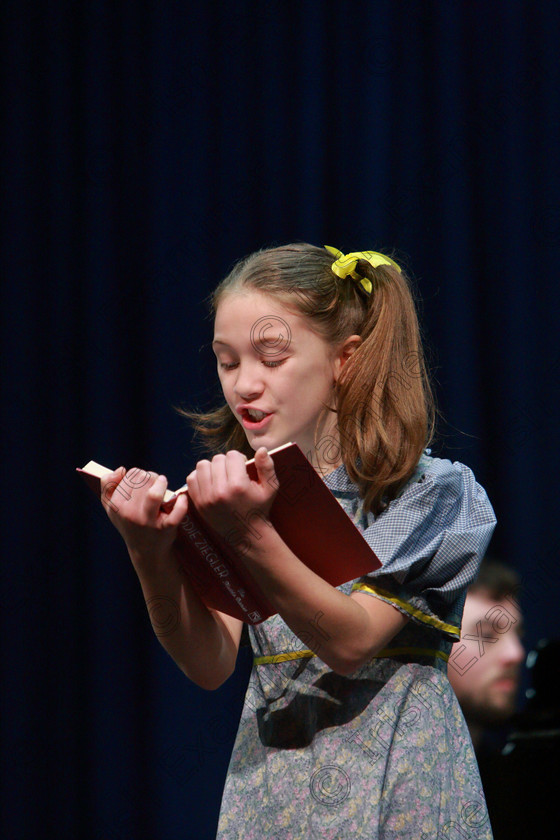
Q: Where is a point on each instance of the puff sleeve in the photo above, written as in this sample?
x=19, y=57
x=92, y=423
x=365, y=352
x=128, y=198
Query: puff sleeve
x=430, y=540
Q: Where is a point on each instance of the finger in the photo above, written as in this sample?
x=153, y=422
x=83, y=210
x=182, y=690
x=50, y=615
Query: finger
x=109, y=484
x=236, y=470
x=137, y=479
x=200, y=481
x=219, y=475
x=113, y=479
x=131, y=481
x=180, y=509
x=154, y=495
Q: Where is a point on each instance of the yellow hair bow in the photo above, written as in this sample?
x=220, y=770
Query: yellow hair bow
x=345, y=264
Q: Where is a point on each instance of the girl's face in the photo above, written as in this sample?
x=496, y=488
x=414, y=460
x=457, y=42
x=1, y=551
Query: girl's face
x=276, y=373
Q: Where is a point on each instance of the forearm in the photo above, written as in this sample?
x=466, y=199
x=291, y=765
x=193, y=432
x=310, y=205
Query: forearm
x=336, y=627
x=344, y=631
x=193, y=635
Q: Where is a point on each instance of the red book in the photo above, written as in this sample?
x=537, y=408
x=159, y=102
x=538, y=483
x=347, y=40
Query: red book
x=306, y=515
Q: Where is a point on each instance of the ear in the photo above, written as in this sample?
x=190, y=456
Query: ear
x=345, y=350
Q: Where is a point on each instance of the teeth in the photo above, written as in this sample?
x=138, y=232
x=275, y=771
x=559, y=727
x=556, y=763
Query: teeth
x=255, y=415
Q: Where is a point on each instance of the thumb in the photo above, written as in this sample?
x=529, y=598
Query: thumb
x=265, y=467
x=179, y=510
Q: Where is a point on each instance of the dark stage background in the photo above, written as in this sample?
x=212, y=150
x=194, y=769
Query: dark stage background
x=145, y=147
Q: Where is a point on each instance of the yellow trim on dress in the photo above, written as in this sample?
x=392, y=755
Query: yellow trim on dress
x=427, y=619
x=385, y=653
x=283, y=657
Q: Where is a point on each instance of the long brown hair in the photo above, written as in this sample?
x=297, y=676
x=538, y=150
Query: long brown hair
x=384, y=402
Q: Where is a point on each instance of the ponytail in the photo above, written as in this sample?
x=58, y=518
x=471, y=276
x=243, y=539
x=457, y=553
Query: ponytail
x=385, y=402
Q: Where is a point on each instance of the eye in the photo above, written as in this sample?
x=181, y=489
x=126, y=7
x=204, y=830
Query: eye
x=274, y=364
x=488, y=631
x=232, y=365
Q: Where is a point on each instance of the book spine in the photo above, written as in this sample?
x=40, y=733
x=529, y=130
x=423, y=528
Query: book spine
x=214, y=571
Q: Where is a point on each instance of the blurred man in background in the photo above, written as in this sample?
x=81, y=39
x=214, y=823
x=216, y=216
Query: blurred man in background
x=520, y=780
x=485, y=666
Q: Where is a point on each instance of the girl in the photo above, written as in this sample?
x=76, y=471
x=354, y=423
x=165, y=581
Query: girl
x=350, y=727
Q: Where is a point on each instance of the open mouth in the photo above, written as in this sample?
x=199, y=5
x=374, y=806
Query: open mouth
x=255, y=415
x=253, y=419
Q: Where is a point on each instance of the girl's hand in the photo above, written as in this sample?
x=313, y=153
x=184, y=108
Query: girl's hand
x=227, y=498
x=132, y=500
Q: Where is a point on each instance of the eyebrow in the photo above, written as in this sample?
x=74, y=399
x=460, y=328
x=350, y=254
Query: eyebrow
x=272, y=342
x=267, y=343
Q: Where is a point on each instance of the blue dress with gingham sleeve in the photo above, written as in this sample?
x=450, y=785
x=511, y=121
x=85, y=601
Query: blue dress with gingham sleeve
x=384, y=753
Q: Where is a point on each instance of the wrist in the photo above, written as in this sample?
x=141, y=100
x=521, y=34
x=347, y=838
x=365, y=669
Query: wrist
x=259, y=548
x=151, y=563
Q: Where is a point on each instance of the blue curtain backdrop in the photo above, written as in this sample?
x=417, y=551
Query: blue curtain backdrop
x=145, y=147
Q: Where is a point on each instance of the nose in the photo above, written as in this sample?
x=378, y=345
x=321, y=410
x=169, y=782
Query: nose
x=248, y=383
x=513, y=651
